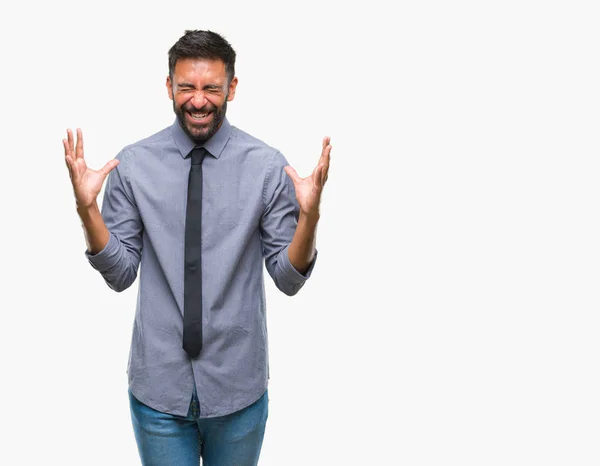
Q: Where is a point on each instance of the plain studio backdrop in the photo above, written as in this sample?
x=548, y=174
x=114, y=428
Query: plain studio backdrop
x=452, y=317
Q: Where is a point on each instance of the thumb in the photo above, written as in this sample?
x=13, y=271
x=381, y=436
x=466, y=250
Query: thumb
x=292, y=174
x=106, y=169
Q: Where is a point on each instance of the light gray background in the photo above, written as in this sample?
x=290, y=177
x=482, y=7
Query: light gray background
x=453, y=315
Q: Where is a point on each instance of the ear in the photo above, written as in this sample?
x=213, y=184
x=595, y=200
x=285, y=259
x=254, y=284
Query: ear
x=170, y=87
x=232, y=86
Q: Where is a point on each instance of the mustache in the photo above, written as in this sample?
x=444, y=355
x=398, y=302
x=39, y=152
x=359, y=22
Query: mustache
x=205, y=109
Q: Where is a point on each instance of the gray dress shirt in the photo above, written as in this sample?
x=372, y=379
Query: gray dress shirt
x=249, y=213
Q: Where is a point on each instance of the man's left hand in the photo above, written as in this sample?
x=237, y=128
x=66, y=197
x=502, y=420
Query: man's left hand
x=309, y=189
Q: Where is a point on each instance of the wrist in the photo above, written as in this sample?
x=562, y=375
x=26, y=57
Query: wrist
x=309, y=217
x=88, y=210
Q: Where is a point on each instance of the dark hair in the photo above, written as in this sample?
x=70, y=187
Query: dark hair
x=204, y=45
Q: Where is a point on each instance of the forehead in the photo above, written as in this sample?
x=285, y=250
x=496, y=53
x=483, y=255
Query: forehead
x=197, y=68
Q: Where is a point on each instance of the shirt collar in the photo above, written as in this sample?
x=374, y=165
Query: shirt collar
x=214, y=145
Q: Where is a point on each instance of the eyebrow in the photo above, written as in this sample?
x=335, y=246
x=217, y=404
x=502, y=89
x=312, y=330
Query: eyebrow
x=208, y=86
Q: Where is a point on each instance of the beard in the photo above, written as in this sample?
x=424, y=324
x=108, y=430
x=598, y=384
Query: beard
x=199, y=134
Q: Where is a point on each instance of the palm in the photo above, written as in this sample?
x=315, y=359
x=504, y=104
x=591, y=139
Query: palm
x=308, y=190
x=86, y=182
x=308, y=193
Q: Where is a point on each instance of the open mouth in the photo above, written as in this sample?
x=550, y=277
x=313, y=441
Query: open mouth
x=198, y=117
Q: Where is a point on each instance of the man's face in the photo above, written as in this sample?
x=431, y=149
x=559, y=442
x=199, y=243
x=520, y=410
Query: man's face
x=200, y=93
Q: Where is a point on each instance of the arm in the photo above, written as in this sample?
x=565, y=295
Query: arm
x=302, y=249
x=289, y=223
x=113, y=250
x=94, y=229
x=308, y=193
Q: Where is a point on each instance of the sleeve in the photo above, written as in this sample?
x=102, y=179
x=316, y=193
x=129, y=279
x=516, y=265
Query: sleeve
x=278, y=225
x=118, y=262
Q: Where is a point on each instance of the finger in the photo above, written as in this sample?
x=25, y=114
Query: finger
x=326, y=164
x=106, y=169
x=67, y=164
x=326, y=154
x=324, y=175
x=71, y=166
x=292, y=174
x=317, y=182
x=70, y=140
x=326, y=149
x=67, y=148
x=79, y=147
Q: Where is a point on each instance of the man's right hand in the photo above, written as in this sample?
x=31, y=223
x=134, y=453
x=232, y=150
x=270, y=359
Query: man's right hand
x=86, y=182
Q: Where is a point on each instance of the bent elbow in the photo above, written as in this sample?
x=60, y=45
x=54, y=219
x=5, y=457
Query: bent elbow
x=121, y=283
x=289, y=289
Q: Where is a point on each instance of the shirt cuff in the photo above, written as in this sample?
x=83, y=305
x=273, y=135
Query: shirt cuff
x=289, y=272
x=107, y=258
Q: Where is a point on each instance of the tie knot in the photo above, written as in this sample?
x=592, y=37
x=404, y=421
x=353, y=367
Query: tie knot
x=198, y=154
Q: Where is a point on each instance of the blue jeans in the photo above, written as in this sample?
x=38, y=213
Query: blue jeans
x=169, y=440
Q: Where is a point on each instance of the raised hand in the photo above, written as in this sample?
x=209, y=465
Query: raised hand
x=308, y=190
x=86, y=182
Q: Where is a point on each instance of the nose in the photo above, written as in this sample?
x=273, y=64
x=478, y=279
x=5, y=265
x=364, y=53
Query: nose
x=198, y=99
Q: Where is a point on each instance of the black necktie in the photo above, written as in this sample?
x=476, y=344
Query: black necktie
x=192, y=301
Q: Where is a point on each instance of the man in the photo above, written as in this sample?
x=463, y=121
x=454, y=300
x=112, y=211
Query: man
x=200, y=204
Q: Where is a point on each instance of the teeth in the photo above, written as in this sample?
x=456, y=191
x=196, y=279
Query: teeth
x=199, y=115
